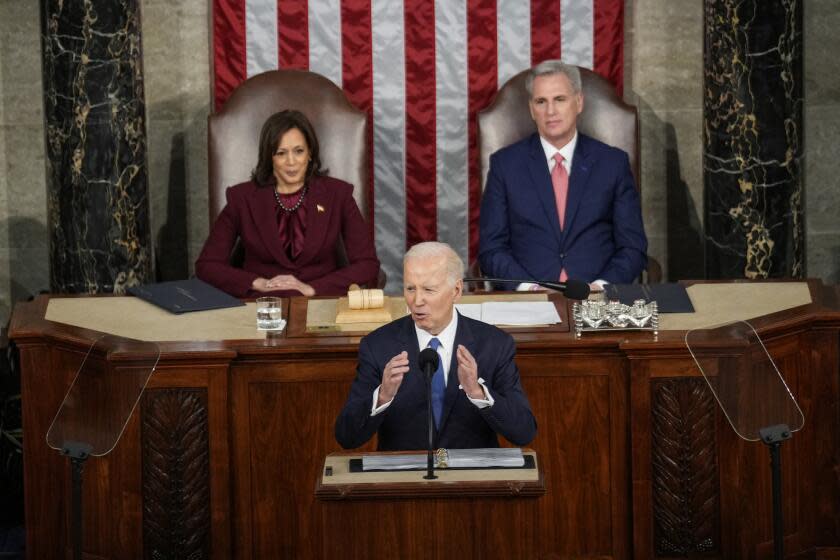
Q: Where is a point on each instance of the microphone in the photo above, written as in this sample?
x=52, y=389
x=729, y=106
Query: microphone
x=572, y=289
x=429, y=360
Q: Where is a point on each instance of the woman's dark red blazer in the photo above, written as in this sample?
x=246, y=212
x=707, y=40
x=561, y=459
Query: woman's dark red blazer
x=250, y=215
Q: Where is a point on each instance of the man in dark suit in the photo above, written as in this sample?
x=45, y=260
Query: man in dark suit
x=476, y=392
x=558, y=203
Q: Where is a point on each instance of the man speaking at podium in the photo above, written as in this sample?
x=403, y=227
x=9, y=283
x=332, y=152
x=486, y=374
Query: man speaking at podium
x=476, y=391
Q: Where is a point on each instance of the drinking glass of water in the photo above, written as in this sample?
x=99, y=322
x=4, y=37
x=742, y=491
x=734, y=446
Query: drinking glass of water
x=269, y=314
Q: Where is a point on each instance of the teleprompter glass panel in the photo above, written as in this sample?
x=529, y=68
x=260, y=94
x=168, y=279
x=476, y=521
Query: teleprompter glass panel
x=105, y=391
x=744, y=379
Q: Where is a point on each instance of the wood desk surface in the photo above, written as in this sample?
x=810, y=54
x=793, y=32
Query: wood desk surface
x=341, y=484
x=715, y=303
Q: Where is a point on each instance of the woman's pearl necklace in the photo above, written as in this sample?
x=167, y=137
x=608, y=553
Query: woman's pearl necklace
x=297, y=204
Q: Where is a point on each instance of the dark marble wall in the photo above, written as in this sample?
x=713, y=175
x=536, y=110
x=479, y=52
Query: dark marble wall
x=752, y=152
x=97, y=202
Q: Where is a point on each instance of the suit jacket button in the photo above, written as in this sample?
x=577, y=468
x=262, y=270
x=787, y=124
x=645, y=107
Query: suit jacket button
x=562, y=255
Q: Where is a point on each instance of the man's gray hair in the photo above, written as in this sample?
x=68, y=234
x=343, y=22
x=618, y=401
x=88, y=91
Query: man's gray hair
x=548, y=67
x=429, y=249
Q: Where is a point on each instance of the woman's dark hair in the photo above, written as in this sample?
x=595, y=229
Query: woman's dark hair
x=274, y=128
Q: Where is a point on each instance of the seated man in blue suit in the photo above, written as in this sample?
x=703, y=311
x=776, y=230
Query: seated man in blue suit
x=558, y=203
x=476, y=392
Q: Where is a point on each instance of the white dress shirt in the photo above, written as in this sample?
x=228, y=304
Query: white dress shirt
x=567, y=151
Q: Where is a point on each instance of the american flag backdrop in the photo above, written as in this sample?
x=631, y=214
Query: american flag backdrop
x=421, y=69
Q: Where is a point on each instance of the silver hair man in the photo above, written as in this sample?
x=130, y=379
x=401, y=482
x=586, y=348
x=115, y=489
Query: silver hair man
x=548, y=67
x=428, y=249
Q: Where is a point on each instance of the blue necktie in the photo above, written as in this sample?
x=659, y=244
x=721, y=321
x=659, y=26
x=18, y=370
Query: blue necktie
x=438, y=385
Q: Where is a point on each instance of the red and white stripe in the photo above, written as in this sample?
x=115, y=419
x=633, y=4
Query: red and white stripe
x=421, y=69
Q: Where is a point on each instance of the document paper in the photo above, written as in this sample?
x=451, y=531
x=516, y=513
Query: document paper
x=455, y=459
x=516, y=313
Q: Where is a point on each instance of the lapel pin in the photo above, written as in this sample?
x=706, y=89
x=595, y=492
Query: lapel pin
x=319, y=207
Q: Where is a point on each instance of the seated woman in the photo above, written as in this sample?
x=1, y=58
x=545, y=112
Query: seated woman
x=289, y=217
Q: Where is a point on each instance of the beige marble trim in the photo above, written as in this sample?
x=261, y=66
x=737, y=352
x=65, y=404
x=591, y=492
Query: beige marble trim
x=134, y=318
x=320, y=313
x=716, y=304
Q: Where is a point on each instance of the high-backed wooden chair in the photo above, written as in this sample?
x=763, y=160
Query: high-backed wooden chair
x=605, y=117
x=233, y=132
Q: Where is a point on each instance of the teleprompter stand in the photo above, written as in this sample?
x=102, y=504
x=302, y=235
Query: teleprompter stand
x=96, y=408
x=752, y=395
x=773, y=438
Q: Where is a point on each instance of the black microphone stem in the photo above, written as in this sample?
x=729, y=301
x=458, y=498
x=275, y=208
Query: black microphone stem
x=429, y=361
x=430, y=462
x=572, y=289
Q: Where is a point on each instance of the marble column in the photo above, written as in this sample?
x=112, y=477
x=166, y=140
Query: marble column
x=97, y=195
x=752, y=152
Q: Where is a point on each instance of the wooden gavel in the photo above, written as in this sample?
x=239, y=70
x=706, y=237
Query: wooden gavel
x=358, y=298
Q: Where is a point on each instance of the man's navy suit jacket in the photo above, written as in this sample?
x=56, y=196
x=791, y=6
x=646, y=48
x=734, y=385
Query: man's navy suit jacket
x=463, y=425
x=520, y=236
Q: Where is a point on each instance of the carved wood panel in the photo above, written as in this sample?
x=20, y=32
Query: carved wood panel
x=685, y=472
x=176, y=475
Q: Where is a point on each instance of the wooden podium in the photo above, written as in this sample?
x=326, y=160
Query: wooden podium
x=221, y=457
x=481, y=513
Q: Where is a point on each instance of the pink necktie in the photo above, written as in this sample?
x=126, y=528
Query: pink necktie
x=560, y=182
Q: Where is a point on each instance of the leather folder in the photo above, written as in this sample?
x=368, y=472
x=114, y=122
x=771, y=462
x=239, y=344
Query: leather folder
x=184, y=296
x=669, y=298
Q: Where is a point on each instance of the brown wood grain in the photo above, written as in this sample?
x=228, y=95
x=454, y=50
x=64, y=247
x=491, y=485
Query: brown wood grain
x=271, y=404
x=824, y=357
x=176, y=474
x=428, y=528
x=685, y=474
